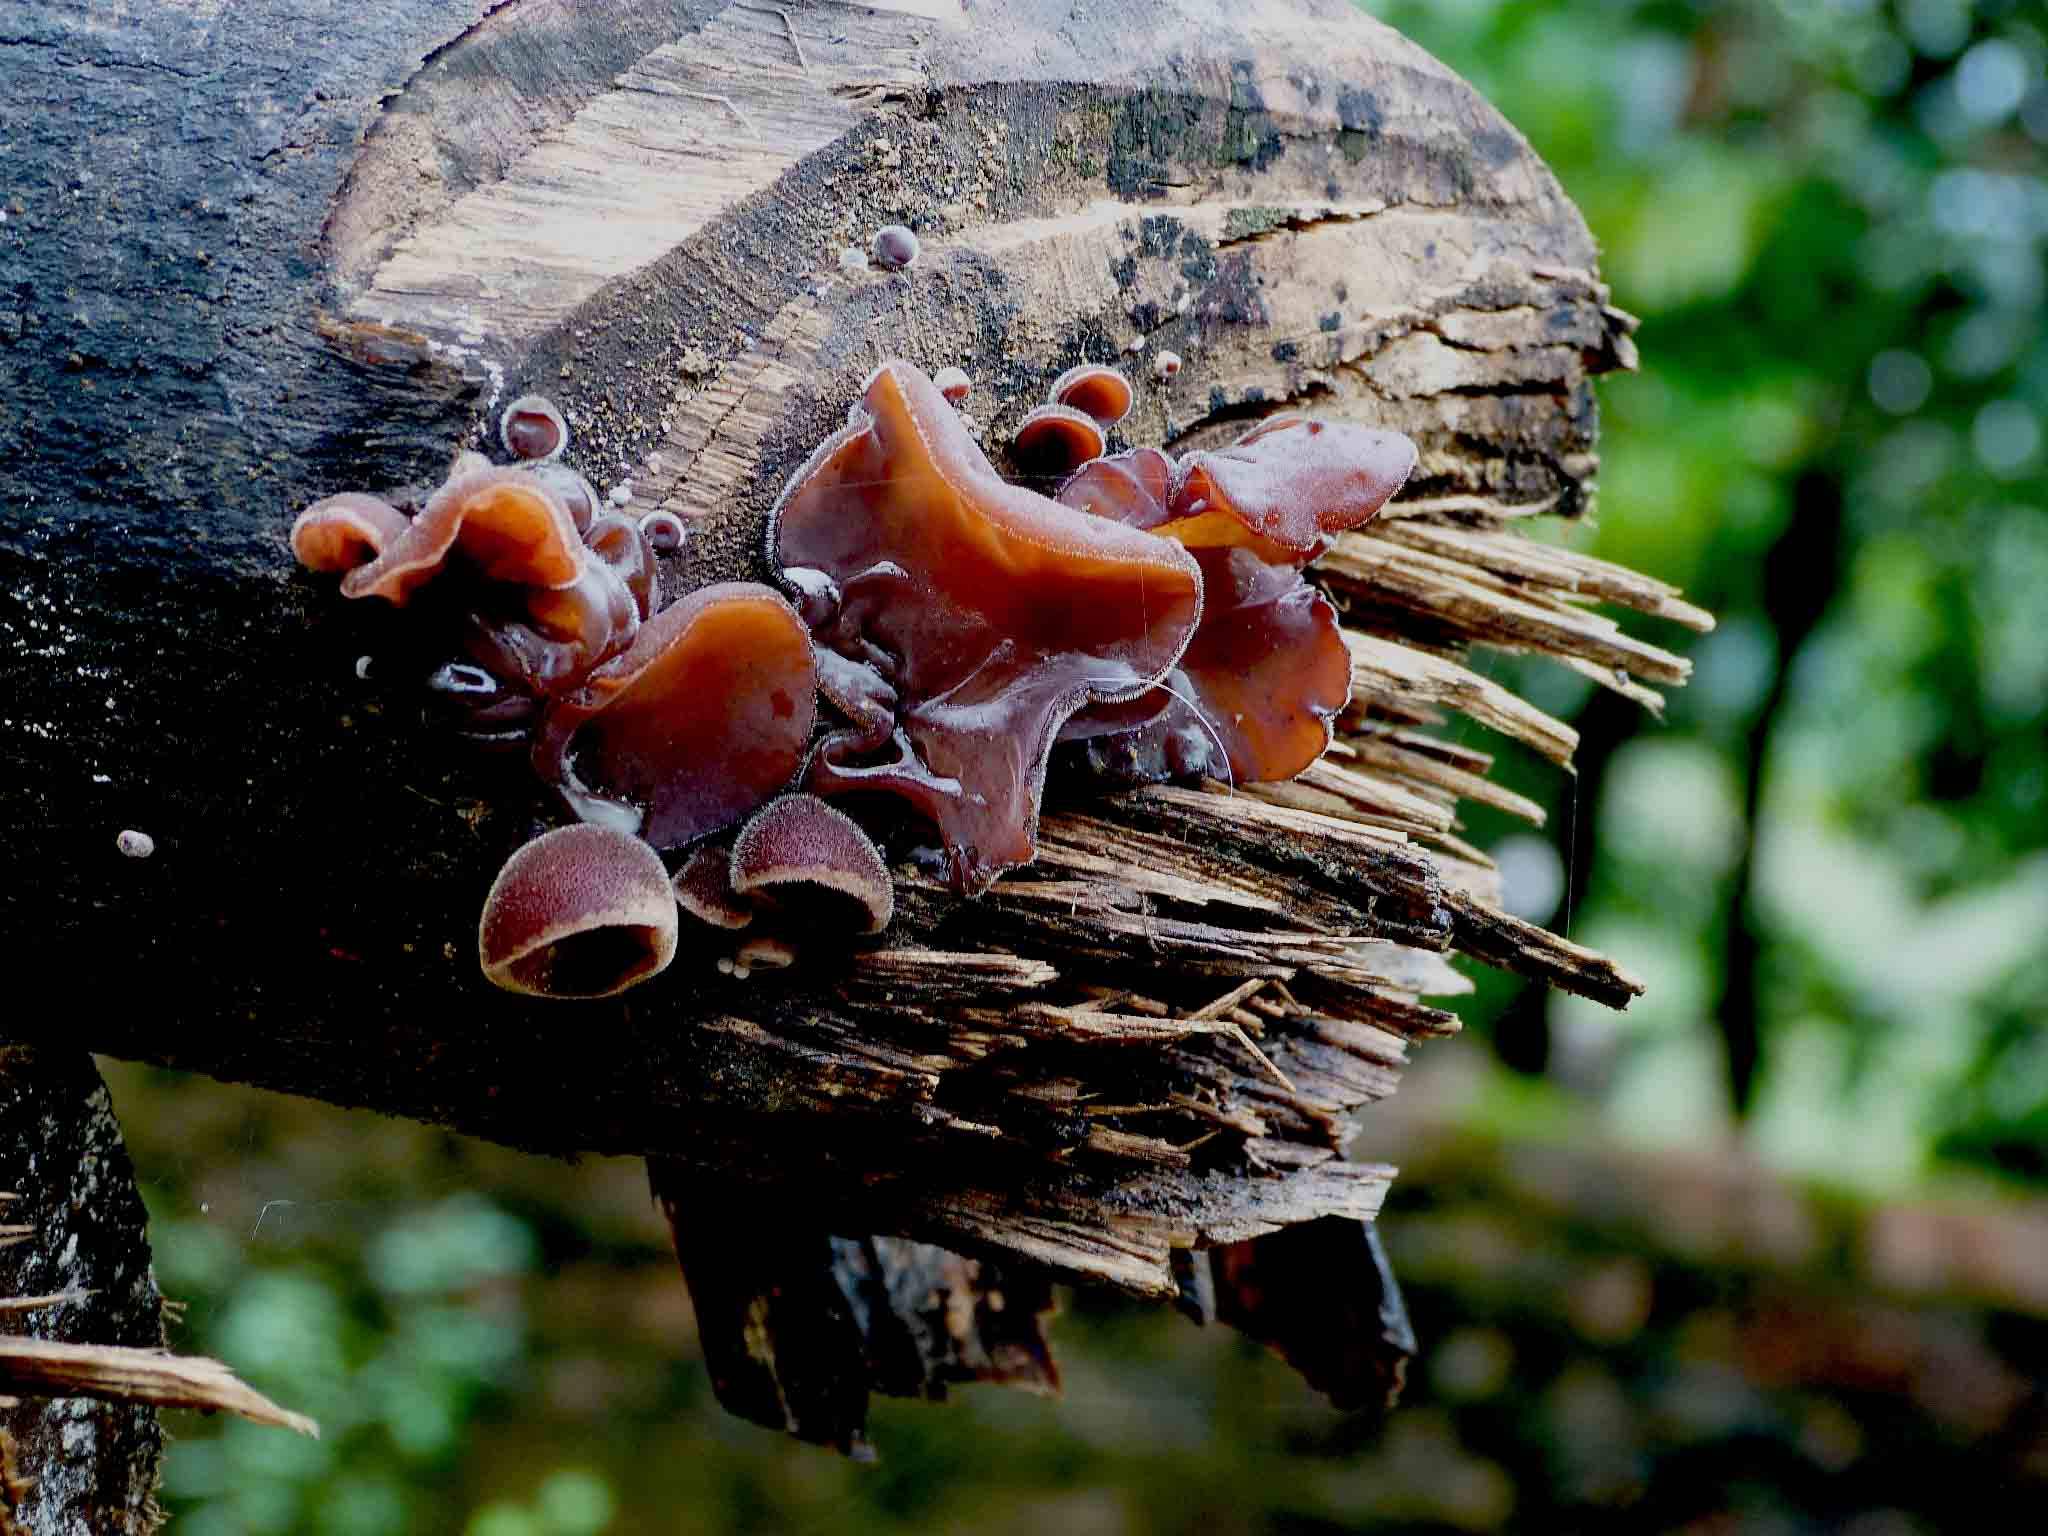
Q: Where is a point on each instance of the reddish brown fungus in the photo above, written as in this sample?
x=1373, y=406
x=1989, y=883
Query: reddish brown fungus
x=532, y=429
x=578, y=912
x=954, y=384
x=345, y=531
x=705, y=716
x=703, y=888
x=1166, y=366
x=801, y=853
x=1131, y=488
x=1253, y=696
x=506, y=523
x=962, y=619
x=1055, y=440
x=1291, y=480
x=1096, y=390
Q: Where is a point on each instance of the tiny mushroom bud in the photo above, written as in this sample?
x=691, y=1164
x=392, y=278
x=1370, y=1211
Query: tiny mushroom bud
x=1055, y=440
x=532, y=428
x=954, y=384
x=1166, y=365
x=136, y=845
x=578, y=912
x=1095, y=390
x=800, y=850
x=894, y=247
x=664, y=532
x=763, y=954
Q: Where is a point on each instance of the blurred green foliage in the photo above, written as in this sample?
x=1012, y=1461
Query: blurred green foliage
x=1832, y=863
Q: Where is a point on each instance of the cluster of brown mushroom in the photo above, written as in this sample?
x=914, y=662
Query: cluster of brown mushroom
x=959, y=626
x=965, y=624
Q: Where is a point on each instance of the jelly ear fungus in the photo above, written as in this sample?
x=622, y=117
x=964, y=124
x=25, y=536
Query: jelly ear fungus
x=965, y=618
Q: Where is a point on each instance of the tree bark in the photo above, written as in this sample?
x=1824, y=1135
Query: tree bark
x=253, y=256
x=74, y=1269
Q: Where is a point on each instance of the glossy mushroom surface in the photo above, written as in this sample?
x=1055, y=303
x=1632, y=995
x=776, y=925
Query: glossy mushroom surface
x=532, y=429
x=966, y=618
x=704, y=717
x=1096, y=390
x=342, y=532
x=579, y=912
x=1267, y=672
x=506, y=524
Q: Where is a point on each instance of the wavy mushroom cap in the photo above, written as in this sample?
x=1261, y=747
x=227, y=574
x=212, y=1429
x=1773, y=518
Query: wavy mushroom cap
x=1097, y=390
x=506, y=523
x=1255, y=694
x=961, y=619
x=532, y=429
x=579, y=912
x=1131, y=488
x=1055, y=440
x=704, y=717
x=800, y=852
x=1291, y=480
x=342, y=532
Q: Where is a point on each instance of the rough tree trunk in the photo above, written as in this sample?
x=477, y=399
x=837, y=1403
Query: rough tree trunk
x=254, y=254
x=74, y=1268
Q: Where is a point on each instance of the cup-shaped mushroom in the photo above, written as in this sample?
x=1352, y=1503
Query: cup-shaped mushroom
x=579, y=912
x=345, y=531
x=801, y=854
x=665, y=532
x=1095, y=389
x=954, y=384
x=1055, y=440
x=626, y=547
x=702, y=718
x=532, y=429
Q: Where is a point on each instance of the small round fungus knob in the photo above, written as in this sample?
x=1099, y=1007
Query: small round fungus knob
x=894, y=247
x=135, y=845
x=954, y=385
x=664, y=532
x=579, y=912
x=1166, y=366
x=532, y=429
x=1094, y=390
